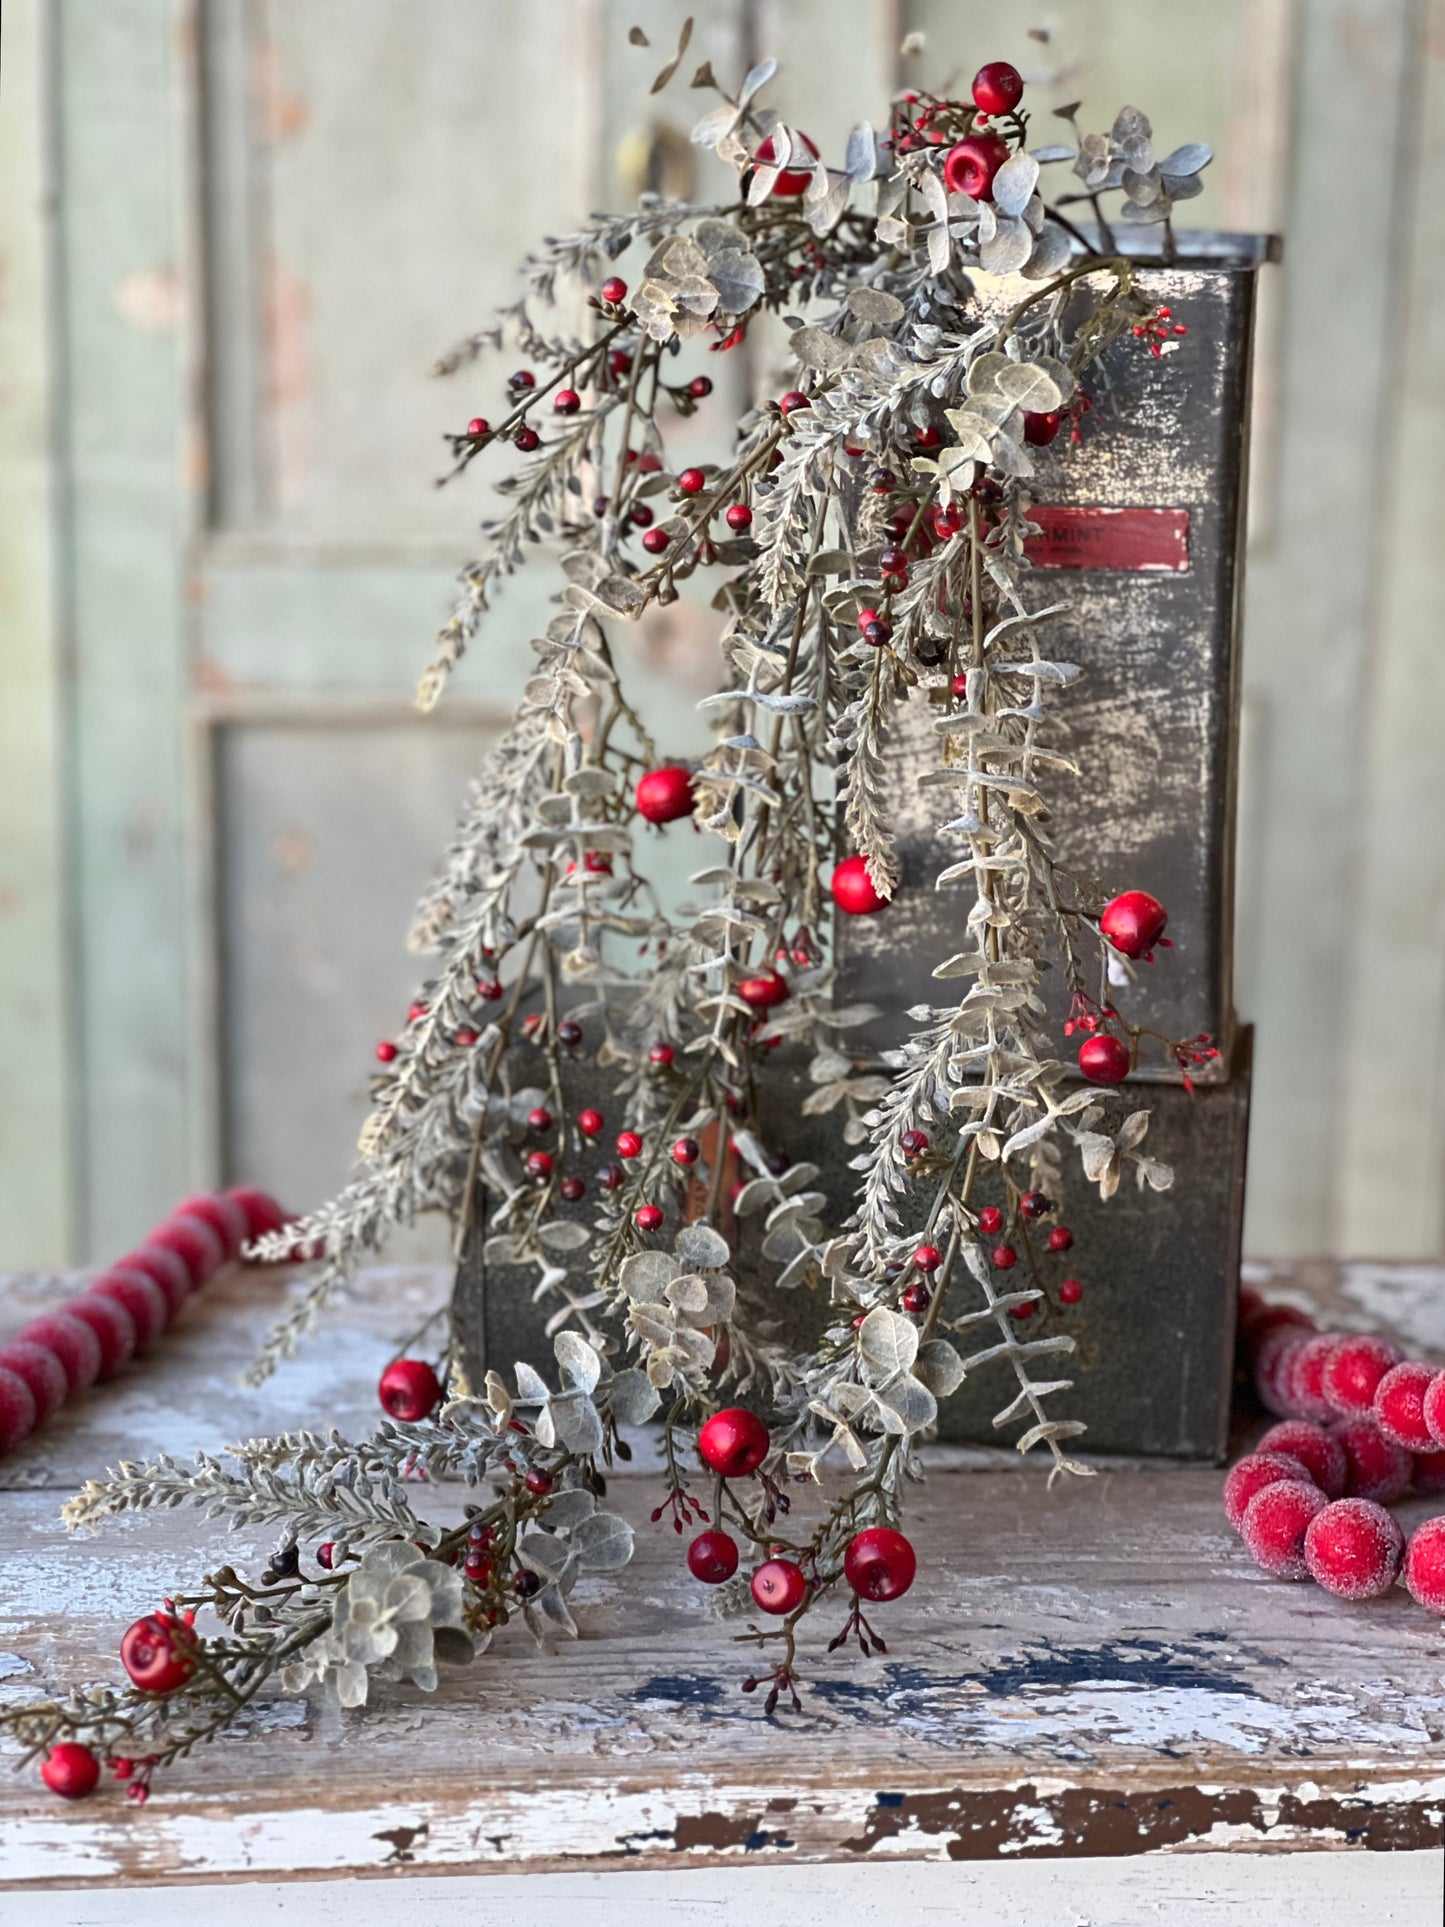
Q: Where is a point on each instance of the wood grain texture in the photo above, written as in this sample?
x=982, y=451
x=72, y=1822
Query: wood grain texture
x=1098, y=1672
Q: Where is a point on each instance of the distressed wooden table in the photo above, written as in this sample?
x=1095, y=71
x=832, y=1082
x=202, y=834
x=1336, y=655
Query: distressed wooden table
x=1093, y=1673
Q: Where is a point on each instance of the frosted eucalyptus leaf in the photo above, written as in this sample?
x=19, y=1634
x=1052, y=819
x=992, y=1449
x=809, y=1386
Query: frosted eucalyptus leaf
x=701, y=1248
x=631, y=1397
x=563, y=1234
x=905, y=1406
x=580, y=1366
x=939, y=1367
x=1014, y=183
x=602, y=1543
x=888, y=1343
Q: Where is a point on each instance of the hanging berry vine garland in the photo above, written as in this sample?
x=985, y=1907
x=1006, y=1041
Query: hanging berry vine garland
x=865, y=535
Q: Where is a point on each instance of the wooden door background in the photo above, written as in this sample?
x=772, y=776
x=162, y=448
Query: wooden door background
x=233, y=237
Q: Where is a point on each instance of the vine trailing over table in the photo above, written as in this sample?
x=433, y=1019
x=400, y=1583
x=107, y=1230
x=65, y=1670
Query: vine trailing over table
x=865, y=539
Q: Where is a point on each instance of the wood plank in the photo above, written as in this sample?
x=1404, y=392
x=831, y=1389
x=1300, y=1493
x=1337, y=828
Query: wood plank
x=1097, y=1672
x=35, y=1202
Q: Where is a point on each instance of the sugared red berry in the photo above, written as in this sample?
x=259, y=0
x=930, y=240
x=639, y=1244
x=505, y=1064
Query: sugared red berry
x=629, y=1144
x=649, y=1217
x=997, y=88
x=1400, y=1404
x=42, y=1372
x=112, y=1325
x=167, y=1268
x=1275, y=1523
x=139, y=1296
x=763, y=992
x=1424, y=1567
x=159, y=1653
x=739, y=517
x=409, y=1389
x=73, y=1343
x=1303, y=1379
x=1433, y=1408
x=713, y=1557
x=779, y=1587
x=1378, y=1468
x=589, y=1123
x=1427, y=1473
x=223, y=1213
x=18, y=1412
x=1318, y=1451
x=664, y=795
x=1353, y=1549
x=71, y=1770
x=194, y=1240
x=1252, y=1474
x=1354, y=1370
x=879, y=1564
x=1273, y=1361
x=853, y=889
x=1104, y=1059
x=733, y=1442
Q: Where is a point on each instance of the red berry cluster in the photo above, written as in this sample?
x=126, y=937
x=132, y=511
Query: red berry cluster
x=1360, y=1427
x=1158, y=329
x=91, y=1337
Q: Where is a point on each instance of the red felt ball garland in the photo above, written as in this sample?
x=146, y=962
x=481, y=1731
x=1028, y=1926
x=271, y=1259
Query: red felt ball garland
x=1359, y=1427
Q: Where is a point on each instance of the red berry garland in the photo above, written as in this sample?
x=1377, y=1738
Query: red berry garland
x=1353, y=1549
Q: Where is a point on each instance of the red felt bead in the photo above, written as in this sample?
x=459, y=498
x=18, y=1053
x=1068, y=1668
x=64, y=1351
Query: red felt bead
x=1104, y=1059
x=1275, y=1523
x=879, y=1564
x=73, y=1343
x=159, y=1653
x=713, y=1557
x=763, y=992
x=1353, y=1549
x=1433, y=1408
x=990, y=1220
x=42, y=1371
x=112, y=1325
x=795, y=399
x=1302, y=1383
x=71, y=1770
x=18, y=1411
x=1424, y=1566
x=733, y=1442
x=409, y=1389
x=169, y=1270
x=793, y=181
x=589, y=1123
x=739, y=517
x=1252, y=1474
x=614, y=289
x=1041, y=426
x=142, y=1297
x=692, y=481
x=853, y=889
x=1379, y=1469
x=1273, y=1360
x=685, y=1151
x=263, y=1214
x=969, y=167
x=572, y=1189
x=1400, y=1404
x=997, y=88
x=1134, y=922
x=223, y=1213
x=1061, y=1238
x=1318, y=1451
x=927, y=1258
x=779, y=1587
x=1070, y=1291
x=629, y=1144
x=1353, y=1371
x=1005, y=1257
x=194, y=1240
x=649, y=1217
x=666, y=794
x=656, y=541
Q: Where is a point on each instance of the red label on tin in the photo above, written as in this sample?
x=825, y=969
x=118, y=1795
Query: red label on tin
x=1128, y=539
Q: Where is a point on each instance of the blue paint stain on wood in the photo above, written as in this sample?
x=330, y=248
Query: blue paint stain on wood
x=684, y=1689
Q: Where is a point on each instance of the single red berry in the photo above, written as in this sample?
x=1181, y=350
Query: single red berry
x=194, y=1240
x=853, y=889
x=947, y=521
x=692, y=481
x=112, y=1325
x=1318, y=1451
x=779, y=1587
x=739, y=517
x=969, y=167
x=656, y=541
x=649, y=1217
x=71, y=1770
x=409, y=1389
x=891, y=561
x=614, y=289
x=1252, y=1474
x=1041, y=426
x=913, y=1143
x=1275, y=1523
x=141, y=1297
x=538, y=1482
x=73, y=1343
x=660, y=1054
x=326, y=1554
x=713, y=1557
x=1424, y=1568
x=700, y=387
x=793, y=181
x=1104, y=1059
x=1353, y=1549
x=927, y=437
x=927, y=1258
x=882, y=481
x=917, y=1299
x=997, y=88
x=1432, y=1407
x=959, y=687
x=990, y=1221
x=1034, y=1204
x=1302, y=1379
x=523, y=378
x=1134, y=922
x=566, y=401
x=159, y=1653
x=879, y=1564
x=795, y=399
x=18, y=1410
x=1274, y=1361
x=1378, y=1468
x=527, y=439
x=733, y=1442
x=386, y=1051
x=1354, y=1370
x=640, y=515
x=490, y=989
x=41, y=1372
x=685, y=1151
x=619, y=362
x=539, y=1164
x=1061, y=1238
x=629, y=1144
x=1400, y=1404
x=663, y=795
x=610, y=1176
x=572, y=1189
x=569, y=1033
x=763, y=992
x=465, y=1037
x=589, y=1123
x=1005, y=1257
x=1070, y=1291
x=540, y=1119
x=877, y=633
x=477, y=427
x=526, y=1583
